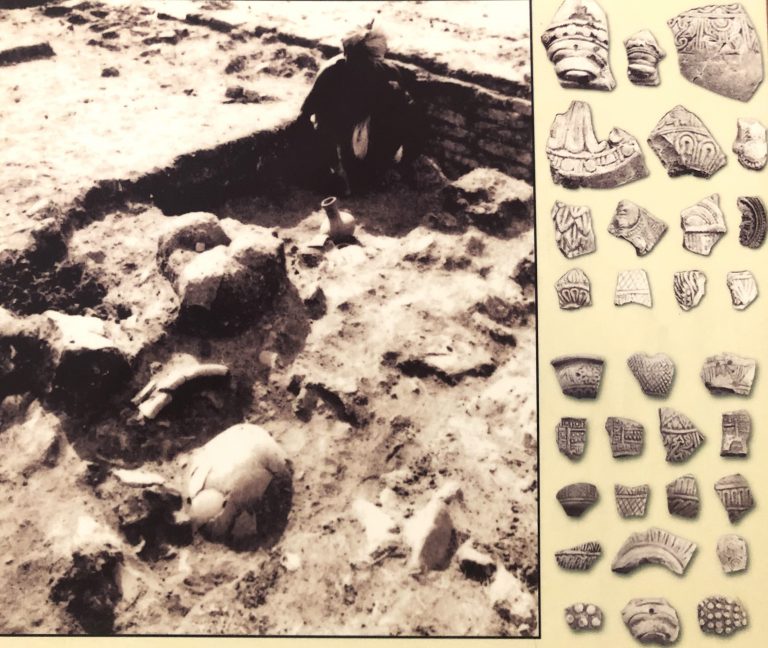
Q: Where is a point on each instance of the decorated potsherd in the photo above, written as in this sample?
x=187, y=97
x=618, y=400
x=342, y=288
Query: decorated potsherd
x=637, y=225
x=733, y=553
x=643, y=57
x=577, y=498
x=754, y=225
x=579, y=375
x=736, y=496
x=574, y=233
x=631, y=501
x=651, y=621
x=722, y=615
x=737, y=430
x=729, y=373
x=654, y=547
x=679, y=434
x=683, y=497
x=584, y=616
x=655, y=373
x=573, y=290
x=571, y=436
x=579, y=558
x=751, y=145
x=703, y=225
x=632, y=287
x=743, y=288
x=626, y=436
x=690, y=287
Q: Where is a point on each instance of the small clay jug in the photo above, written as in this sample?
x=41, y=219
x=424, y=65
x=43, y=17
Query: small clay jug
x=340, y=224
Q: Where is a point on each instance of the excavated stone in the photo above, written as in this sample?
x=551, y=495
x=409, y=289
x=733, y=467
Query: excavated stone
x=643, y=57
x=382, y=533
x=637, y=225
x=577, y=43
x=718, y=48
x=685, y=146
x=751, y=144
x=26, y=356
x=431, y=536
x=474, y=564
x=31, y=444
x=578, y=159
x=574, y=233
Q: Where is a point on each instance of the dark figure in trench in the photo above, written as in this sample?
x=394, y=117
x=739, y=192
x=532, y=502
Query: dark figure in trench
x=365, y=116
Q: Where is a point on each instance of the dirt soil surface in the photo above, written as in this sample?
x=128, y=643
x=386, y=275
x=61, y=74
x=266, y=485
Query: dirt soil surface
x=391, y=369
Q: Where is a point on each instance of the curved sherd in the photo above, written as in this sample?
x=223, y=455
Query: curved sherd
x=654, y=547
x=754, y=224
x=579, y=376
x=579, y=558
x=651, y=620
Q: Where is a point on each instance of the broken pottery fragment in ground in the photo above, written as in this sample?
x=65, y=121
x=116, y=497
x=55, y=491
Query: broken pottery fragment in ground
x=577, y=43
x=743, y=288
x=574, y=233
x=754, y=221
x=637, y=225
x=719, y=49
x=474, y=564
x=654, y=547
x=30, y=444
x=751, y=144
x=578, y=159
x=685, y=145
x=643, y=57
x=703, y=225
x=689, y=287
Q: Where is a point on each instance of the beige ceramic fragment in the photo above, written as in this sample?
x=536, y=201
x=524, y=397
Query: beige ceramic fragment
x=643, y=57
x=573, y=290
x=703, y=225
x=574, y=233
x=652, y=621
x=632, y=287
x=690, y=287
x=655, y=547
x=743, y=288
x=751, y=146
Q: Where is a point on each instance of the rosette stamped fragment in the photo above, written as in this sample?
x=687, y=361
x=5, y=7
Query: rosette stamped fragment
x=654, y=547
x=652, y=621
x=573, y=290
x=583, y=617
x=578, y=159
x=577, y=43
x=579, y=558
x=681, y=438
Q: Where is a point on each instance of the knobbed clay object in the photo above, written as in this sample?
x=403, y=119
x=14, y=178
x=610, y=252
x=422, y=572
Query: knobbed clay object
x=753, y=225
x=737, y=429
x=728, y=373
x=577, y=44
x=578, y=159
x=239, y=486
x=721, y=615
x=637, y=225
x=574, y=233
x=643, y=56
x=573, y=290
x=655, y=373
x=703, y=225
x=679, y=435
x=632, y=287
x=685, y=146
x=690, y=287
x=631, y=501
x=579, y=558
x=751, y=145
x=577, y=498
x=572, y=436
x=654, y=547
x=743, y=288
x=626, y=436
x=651, y=621
x=719, y=49
x=584, y=616
x=732, y=552
x=683, y=497
x=579, y=376
x=736, y=496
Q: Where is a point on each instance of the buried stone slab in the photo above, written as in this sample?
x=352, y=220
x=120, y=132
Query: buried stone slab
x=654, y=547
x=31, y=444
x=431, y=535
x=729, y=373
x=474, y=564
x=751, y=144
x=578, y=159
x=574, y=233
x=637, y=225
x=26, y=356
x=492, y=201
x=239, y=487
x=719, y=49
x=651, y=621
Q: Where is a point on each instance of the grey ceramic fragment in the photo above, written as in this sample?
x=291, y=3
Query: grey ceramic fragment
x=751, y=145
x=729, y=373
x=743, y=288
x=655, y=373
x=625, y=435
x=631, y=501
x=574, y=233
x=651, y=621
x=577, y=498
x=753, y=225
x=579, y=376
x=573, y=290
x=637, y=225
x=733, y=553
x=577, y=44
x=578, y=159
x=680, y=436
x=721, y=616
x=719, y=49
x=703, y=225
x=632, y=287
x=572, y=436
x=643, y=56
x=737, y=430
x=736, y=496
x=584, y=616
x=685, y=146
x=683, y=497
x=579, y=558
x=690, y=287
x=654, y=547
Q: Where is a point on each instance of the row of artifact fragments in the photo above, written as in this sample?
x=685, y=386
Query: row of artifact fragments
x=703, y=225
x=655, y=621
x=579, y=376
x=679, y=435
x=654, y=547
x=682, y=497
x=717, y=46
x=574, y=289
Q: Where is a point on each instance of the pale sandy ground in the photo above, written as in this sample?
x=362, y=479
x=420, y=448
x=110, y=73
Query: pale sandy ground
x=406, y=289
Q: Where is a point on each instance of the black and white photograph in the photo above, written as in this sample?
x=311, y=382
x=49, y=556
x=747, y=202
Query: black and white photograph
x=268, y=319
